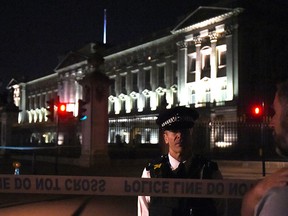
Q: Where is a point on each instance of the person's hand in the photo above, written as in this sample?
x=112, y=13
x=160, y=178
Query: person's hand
x=252, y=197
x=277, y=179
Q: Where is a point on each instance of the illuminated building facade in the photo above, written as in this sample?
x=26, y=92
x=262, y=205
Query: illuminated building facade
x=205, y=61
x=192, y=66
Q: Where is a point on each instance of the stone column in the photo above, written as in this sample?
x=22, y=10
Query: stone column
x=231, y=56
x=197, y=42
x=22, y=105
x=79, y=94
x=72, y=88
x=141, y=82
x=117, y=105
x=182, y=73
x=213, y=63
x=63, y=88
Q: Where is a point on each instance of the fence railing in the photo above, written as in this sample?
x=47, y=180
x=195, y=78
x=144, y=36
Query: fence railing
x=218, y=139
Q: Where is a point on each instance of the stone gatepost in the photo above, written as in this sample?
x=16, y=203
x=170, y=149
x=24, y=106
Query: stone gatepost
x=9, y=116
x=95, y=128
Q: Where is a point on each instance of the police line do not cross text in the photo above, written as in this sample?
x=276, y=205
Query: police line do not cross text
x=95, y=185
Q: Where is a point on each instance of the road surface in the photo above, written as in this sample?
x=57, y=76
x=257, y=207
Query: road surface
x=49, y=205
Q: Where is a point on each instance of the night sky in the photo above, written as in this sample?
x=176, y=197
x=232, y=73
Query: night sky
x=34, y=33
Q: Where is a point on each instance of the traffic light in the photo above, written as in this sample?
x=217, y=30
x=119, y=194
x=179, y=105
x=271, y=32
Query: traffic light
x=50, y=109
x=64, y=114
x=257, y=112
x=62, y=111
x=81, y=110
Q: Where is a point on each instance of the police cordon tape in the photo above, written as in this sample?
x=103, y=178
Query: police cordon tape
x=122, y=186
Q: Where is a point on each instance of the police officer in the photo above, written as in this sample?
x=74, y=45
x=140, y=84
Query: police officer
x=176, y=125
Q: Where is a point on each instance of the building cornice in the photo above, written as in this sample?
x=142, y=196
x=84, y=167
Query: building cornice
x=72, y=67
x=41, y=79
x=208, y=22
x=139, y=47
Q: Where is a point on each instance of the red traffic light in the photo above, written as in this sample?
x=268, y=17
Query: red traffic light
x=62, y=108
x=257, y=110
x=63, y=113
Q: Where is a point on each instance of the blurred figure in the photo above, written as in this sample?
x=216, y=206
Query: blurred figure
x=176, y=125
x=269, y=196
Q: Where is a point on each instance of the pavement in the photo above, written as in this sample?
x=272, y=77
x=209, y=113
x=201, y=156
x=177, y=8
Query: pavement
x=117, y=168
x=129, y=168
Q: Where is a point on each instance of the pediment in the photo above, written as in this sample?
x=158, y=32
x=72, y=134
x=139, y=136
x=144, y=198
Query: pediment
x=199, y=15
x=70, y=59
x=82, y=55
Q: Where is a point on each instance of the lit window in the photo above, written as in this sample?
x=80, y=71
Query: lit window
x=221, y=59
x=208, y=95
x=147, y=135
x=205, y=62
x=223, y=93
x=191, y=68
x=192, y=62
